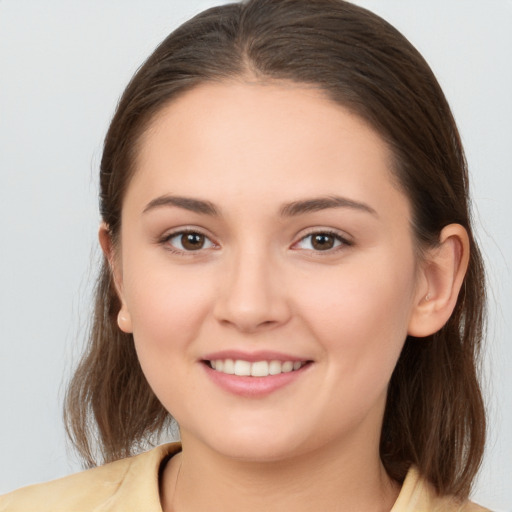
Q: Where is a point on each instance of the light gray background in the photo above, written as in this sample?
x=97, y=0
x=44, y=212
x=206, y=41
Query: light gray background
x=63, y=65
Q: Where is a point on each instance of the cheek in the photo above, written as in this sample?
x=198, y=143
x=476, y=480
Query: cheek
x=167, y=308
x=167, y=312
x=360, y=314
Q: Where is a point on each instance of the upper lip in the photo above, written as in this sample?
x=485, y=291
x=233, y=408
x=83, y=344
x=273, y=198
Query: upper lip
x=261, y=355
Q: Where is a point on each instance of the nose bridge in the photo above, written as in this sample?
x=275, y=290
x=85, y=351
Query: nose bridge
x=251, y=295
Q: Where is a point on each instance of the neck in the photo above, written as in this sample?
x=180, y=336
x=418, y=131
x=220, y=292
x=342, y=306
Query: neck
x=200, y=479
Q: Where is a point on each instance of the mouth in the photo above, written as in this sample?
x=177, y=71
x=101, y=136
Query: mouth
x=264, y=368
x=254, y=374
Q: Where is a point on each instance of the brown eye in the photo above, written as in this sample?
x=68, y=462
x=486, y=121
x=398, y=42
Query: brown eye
x=322, y=241
x=192, y=241
x=187, y=241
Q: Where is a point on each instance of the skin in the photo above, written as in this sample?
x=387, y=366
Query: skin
x=259, y=284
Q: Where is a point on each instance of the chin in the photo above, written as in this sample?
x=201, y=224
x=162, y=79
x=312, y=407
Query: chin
x=256, y=444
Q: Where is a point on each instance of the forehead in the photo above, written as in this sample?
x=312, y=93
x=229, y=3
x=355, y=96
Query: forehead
x=258, y=139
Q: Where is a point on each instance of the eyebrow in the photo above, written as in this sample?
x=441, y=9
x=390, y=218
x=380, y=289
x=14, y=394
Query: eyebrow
x=292, y=209
x=194, y=205
x=323, y=203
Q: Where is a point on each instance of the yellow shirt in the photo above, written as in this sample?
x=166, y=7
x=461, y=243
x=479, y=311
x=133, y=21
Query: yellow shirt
x=131, y=485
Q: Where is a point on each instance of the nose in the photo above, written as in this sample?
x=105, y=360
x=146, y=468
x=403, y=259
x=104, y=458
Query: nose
x=252, y=294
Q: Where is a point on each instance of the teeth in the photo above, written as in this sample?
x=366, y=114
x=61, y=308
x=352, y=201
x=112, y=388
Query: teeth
x=287, y=367
x=274, y=368
x=242, y=368
x=229, y=366
x=259, y=369
x=256, y=369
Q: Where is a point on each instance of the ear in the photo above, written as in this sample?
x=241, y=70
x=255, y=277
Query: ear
x=123, y=318
x=441, y=276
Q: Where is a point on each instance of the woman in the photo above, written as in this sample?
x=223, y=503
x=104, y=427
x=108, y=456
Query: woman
x=290, y=272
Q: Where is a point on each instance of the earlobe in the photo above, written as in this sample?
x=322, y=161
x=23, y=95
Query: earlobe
x=123, y=317
x=443, y=272
x=124, y=320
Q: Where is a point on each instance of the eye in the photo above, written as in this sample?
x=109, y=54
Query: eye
x=321, y=241
x=187, y=241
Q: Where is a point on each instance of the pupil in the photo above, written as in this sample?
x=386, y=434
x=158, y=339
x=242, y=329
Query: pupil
x=323, y=242
x=192, y=241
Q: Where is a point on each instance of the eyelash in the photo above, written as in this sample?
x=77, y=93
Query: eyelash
x=343, y=242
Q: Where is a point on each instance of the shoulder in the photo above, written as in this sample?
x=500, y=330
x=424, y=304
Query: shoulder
x=132, y=481
x=417, y=495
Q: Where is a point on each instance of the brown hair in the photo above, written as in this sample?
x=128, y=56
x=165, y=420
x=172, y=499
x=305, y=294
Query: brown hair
x=434, y=415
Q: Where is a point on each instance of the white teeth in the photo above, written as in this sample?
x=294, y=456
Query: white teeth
x=255, y=369
x=242, y=368
x=259, y=369
x=287, y=367
x=229, y=366
x=274, y=368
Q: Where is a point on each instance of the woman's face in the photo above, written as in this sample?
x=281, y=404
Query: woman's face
x=263, y=232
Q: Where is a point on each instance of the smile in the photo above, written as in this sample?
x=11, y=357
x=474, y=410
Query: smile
x=244, y=368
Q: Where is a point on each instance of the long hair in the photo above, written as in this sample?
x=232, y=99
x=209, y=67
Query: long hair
x=434, y=417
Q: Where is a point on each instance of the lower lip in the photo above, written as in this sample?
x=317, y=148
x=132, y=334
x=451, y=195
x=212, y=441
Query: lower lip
x=254, y=386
